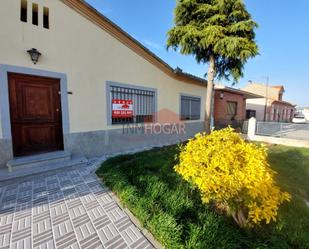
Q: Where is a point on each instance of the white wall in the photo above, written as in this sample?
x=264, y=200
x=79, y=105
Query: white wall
x=305, y=112
x=258, y=105
x=89, y=56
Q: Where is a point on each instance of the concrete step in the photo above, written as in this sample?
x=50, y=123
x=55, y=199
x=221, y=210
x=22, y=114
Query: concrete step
x=31, y=171
x=38, y=160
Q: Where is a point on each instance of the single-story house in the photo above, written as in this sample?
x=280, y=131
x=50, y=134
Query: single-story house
x=230, y=106
x=70, y=80
x=271, y=107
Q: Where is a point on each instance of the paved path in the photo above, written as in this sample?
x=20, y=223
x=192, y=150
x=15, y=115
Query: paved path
x=64, y=209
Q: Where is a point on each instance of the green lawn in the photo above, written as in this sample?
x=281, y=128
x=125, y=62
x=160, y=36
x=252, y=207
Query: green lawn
x=147, y=184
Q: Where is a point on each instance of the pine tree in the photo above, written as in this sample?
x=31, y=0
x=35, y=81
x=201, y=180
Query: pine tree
x=217, y=32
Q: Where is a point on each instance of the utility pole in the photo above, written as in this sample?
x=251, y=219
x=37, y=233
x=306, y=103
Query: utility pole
x=266, y=98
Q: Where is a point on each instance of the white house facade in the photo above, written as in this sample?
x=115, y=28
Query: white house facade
x=87, y=68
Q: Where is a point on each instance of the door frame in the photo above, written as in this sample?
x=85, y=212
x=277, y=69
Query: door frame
x=5, y=131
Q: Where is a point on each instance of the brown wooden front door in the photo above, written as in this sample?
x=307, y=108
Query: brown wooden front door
x=35, y=114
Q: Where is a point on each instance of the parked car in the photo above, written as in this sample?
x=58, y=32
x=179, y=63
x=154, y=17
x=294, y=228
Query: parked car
x=299, y=120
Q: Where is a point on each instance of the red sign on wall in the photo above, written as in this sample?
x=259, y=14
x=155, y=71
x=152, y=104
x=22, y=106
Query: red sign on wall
x=122, y=108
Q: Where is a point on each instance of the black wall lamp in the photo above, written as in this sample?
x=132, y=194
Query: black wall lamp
x=34, y=54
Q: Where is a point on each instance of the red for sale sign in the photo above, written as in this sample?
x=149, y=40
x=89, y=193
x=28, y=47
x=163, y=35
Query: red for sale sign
x=122, y=108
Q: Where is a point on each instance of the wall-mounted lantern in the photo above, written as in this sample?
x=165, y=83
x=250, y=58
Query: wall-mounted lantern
x=34, y=54
x=221, y=95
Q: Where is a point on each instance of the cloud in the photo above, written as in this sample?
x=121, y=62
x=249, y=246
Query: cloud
x=152, y=44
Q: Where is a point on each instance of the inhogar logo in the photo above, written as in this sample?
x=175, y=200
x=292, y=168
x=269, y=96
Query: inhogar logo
x=164, y=122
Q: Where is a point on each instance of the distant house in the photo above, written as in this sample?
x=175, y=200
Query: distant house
x=230, y=106
x=271, y=107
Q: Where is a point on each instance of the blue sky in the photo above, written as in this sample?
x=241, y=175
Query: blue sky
x=282, y=36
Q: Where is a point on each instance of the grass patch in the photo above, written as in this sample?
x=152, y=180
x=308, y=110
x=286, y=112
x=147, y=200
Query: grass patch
x=166, y=205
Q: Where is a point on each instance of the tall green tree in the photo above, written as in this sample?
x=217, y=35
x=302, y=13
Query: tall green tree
x=217, y=32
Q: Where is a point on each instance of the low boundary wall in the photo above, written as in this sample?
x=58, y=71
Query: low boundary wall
x=273, y=140
x=281, y=141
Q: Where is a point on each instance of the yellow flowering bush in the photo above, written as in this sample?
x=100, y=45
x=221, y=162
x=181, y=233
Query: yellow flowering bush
x=232, y=174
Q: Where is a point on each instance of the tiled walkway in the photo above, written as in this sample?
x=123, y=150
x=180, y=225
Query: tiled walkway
x=64, y=209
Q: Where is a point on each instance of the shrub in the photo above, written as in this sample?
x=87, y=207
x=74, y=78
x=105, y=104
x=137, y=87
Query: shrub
x=232, y=174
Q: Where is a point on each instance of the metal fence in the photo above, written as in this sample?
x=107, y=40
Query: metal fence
x=283, y=130
x=144, y=104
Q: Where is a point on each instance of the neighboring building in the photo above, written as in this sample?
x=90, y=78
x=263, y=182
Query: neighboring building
x=271, y=107
x=91, y=78
x=230, y=106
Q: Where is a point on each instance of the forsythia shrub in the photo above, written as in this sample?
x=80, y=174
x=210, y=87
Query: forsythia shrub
x=232, y=174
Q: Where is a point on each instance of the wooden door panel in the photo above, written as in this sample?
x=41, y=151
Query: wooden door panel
x=37, y=102
x=35, y=114
x=40, y=136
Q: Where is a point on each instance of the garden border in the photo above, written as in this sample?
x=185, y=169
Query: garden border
x=132, y=217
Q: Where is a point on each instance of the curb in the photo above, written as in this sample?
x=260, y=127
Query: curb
x=135, y=221
x=138, y=224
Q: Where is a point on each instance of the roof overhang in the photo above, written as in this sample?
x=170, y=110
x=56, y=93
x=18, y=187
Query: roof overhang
x=279, y=87
x=90, y=13
x=245, y=94
x=284, y=103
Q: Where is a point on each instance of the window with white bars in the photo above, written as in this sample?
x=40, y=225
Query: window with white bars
x=190, y=108
x=143, y=104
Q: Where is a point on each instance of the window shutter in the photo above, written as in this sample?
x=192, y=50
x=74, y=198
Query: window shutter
x=195, y=109
x=190, y=108
x=185, y=108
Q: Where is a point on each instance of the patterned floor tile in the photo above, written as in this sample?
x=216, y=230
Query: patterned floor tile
x=69, y=209
x=5, y=235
